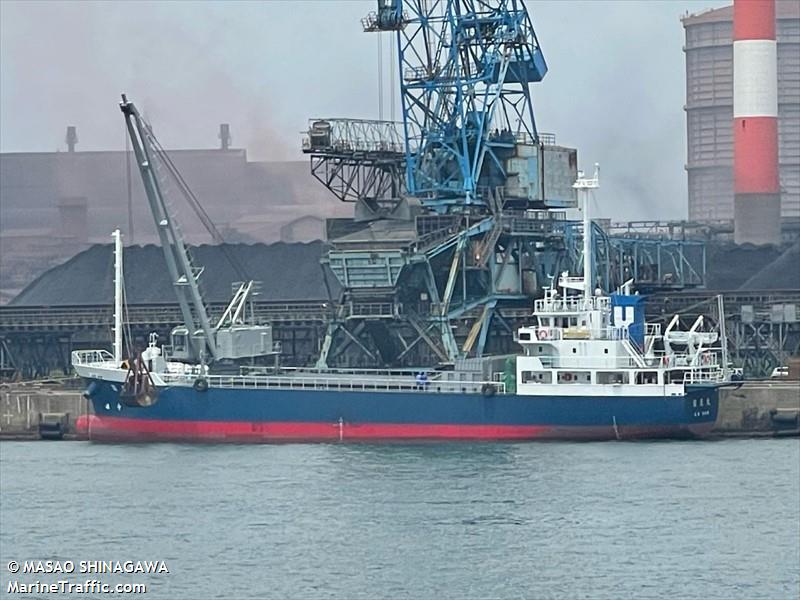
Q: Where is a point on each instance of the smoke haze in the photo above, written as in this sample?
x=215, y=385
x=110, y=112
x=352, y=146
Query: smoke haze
x=615, y=89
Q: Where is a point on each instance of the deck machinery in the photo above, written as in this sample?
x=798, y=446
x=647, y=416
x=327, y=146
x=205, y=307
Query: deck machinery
x=459, y=217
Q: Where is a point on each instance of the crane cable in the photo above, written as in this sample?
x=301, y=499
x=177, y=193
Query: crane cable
x=195, y=204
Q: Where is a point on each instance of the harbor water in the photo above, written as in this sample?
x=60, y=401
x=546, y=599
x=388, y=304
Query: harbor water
x=541, y=520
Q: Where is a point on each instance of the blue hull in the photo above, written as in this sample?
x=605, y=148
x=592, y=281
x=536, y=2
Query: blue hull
x=264, y=415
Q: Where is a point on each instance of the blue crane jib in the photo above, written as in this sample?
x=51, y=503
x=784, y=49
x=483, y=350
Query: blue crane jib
x=470, y=135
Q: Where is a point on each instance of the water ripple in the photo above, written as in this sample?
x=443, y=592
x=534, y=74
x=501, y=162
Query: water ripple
x=595, y=521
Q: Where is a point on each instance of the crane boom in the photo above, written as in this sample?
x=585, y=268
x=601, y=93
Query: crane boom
x=183, y=275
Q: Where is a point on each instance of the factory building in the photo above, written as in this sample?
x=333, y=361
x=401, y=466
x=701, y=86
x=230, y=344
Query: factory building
x=56, y=204
x=709, y=111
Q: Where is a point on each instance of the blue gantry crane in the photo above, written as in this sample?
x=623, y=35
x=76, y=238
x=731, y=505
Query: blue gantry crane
x=466, y=67
x=459, y=217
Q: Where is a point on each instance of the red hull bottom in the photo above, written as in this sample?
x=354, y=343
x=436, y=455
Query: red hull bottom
x=113, y=429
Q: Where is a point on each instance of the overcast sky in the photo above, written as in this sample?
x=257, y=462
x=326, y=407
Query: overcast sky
x=615, y=89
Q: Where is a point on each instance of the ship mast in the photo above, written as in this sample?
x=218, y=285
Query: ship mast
x=117, y=296
x=583, y=185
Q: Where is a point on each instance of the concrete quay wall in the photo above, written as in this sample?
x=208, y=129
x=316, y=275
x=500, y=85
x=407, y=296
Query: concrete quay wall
x=21, y=404
x=749, y=409
x=757, y=407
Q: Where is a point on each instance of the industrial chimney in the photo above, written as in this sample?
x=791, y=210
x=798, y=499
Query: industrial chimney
x=224, y=136
x=757, y=198
x=72, y=138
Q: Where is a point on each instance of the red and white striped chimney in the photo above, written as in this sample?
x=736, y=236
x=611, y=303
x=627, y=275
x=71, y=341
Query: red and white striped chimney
x=757, y=198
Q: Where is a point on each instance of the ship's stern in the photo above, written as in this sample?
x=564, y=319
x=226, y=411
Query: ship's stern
x=701, y=406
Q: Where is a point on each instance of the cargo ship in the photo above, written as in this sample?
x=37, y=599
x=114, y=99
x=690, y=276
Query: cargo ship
x=590, y=367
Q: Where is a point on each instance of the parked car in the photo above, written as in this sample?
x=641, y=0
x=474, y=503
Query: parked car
x=779, y=372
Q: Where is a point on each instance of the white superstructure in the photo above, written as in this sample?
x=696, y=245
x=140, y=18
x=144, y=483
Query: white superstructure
x=591, y=344
x=596, y=346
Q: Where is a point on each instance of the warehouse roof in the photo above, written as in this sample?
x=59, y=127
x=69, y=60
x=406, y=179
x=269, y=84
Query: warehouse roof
x=288, y=272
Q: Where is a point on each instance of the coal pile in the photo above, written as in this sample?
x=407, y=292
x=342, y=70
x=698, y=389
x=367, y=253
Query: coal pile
x=729, y=267
x=781, y=274
x=288, y=272
x=292, y=273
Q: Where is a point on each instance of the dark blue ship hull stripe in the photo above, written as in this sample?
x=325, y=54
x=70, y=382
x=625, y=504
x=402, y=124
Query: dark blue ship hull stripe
x=255, y=407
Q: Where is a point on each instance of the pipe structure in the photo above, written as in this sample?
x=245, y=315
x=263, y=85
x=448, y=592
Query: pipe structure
x=757, y=199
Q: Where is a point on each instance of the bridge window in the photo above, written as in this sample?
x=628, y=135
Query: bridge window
x=647, y=377
x=574, y=377
x=674, y=376
x=525, y=336
x=612, y=377
x=537, y=377
x=179, y=343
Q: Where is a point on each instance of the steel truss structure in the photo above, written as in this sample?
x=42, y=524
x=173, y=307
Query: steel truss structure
x=763, y=328
x=359, y=161
x=466, y=67
x=471, y=227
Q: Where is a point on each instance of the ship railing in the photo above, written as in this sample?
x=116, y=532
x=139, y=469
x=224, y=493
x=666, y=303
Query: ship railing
x=614, y=333
x=396, y=384
x=181, y=368
x=707, y=374
x=704, y=360
x=571, y=304
x=547, y=334
x=652, y=329
x=294, y=372
x=371, y=309
x=600, y=362
x=604, y=362
x=92, y=357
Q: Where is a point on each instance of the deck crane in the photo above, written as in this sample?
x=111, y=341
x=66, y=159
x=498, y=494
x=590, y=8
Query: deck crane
x=197, y=340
